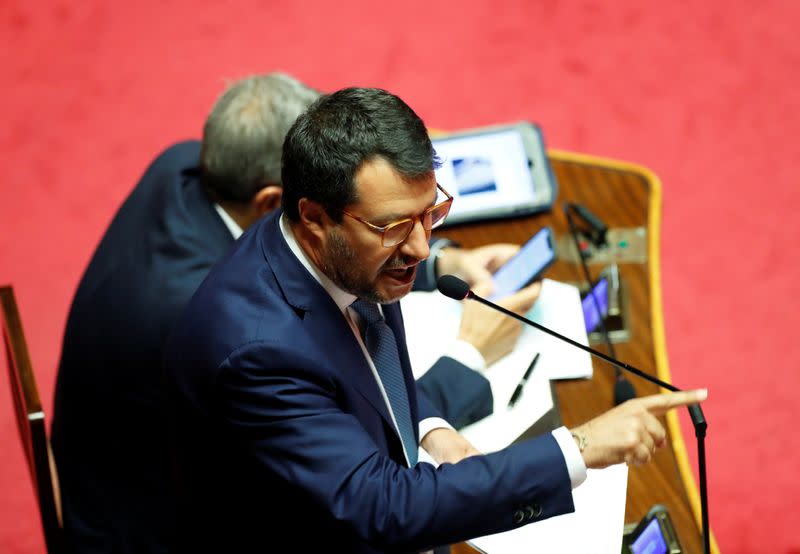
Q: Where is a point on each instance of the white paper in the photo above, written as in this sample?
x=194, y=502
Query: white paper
x=505, y=425
x=595, y=527
x=558, y=308
x=432, y=321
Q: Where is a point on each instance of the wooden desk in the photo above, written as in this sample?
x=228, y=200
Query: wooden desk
x=623, y=195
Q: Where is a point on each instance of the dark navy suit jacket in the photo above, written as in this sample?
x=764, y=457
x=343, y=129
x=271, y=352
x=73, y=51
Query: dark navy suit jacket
x=284, y=443
x=108, y=431
x=109, y=434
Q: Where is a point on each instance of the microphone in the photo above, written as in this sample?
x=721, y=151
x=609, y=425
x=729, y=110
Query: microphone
x=596, y=230
x=455, y=288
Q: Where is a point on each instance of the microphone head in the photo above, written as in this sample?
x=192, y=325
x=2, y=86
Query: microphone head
x=452, y=287
x=623, y=391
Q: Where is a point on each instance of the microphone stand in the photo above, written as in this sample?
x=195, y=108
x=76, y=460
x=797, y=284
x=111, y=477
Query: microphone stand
x=700, y=426
x=695, y=412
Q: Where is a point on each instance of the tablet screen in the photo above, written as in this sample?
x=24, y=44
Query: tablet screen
x=488, y=173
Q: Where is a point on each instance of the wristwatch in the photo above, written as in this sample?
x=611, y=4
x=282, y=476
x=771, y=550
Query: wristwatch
x=580, y=439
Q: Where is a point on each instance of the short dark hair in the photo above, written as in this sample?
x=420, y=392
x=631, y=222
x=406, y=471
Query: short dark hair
x=327, y=145
x=243, y=135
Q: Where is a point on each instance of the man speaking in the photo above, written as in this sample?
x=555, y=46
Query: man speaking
x=295, y=412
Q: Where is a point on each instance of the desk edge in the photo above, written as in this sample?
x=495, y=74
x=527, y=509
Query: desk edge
x=656, y=315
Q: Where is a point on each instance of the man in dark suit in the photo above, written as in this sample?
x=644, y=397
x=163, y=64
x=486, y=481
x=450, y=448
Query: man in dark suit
x=296, y=416
x=109, y=428
x=109, y=435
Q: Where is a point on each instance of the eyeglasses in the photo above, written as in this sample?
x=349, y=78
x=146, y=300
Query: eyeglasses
x=397, y=231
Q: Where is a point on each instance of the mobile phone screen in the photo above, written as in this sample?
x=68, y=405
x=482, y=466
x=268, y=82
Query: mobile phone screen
x=532, y=259
x=590, y=307
x=650, y=541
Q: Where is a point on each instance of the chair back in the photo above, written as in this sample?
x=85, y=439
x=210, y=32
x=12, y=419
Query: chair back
x=30, y=420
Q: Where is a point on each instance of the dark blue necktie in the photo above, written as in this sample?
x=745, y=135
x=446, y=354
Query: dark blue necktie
x=382, y=348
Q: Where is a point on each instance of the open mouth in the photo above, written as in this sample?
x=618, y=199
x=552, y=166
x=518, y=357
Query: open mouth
x=404, y=275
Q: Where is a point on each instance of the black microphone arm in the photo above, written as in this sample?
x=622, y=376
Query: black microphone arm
x=455, y=288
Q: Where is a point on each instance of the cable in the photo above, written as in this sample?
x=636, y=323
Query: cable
x=623, y=389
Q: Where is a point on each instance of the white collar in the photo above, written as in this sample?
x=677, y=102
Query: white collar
x=342, y=298
x=232, y=226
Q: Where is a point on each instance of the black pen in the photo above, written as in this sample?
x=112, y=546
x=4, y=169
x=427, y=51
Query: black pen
x=518, y=390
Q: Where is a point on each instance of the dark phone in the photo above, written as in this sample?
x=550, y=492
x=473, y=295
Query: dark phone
x=591, y=301
x=654, y=534
x=525, y=266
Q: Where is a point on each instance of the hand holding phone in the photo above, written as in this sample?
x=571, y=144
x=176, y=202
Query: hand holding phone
x=475, y=265
x=526, y=266
x=491, y=332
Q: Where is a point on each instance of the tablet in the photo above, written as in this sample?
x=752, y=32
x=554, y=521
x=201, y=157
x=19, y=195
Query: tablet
x=495, y=172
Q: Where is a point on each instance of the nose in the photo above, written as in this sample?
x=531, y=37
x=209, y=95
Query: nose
x=416, y=243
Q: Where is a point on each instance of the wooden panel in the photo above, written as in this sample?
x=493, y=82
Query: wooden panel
x=30, y=421
x=623, y=196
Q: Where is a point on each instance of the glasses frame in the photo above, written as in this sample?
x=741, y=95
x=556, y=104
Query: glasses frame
x=382, y=229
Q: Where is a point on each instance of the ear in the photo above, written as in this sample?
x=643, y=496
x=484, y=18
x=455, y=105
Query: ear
x=267, y=199
x=314, y=218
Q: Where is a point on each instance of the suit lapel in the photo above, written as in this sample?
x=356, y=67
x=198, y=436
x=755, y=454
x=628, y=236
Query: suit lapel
x=321, y=316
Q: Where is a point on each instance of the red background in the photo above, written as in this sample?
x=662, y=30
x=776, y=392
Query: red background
x=703, y=93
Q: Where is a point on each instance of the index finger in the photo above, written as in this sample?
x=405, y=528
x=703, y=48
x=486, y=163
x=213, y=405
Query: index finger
x=658, y=404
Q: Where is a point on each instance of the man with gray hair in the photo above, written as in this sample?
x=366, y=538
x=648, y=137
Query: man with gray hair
x=109, y=430
x=243, y=135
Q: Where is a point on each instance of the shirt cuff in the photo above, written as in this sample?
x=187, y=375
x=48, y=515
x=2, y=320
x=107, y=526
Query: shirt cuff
x=430, y=423
x=572, y=456
x=466, y=354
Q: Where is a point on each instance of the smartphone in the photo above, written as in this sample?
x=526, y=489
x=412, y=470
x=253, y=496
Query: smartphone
x=527, y=265
x=595, y=304
x=654, y=534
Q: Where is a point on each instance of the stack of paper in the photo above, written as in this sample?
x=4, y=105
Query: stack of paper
x=432, y=321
